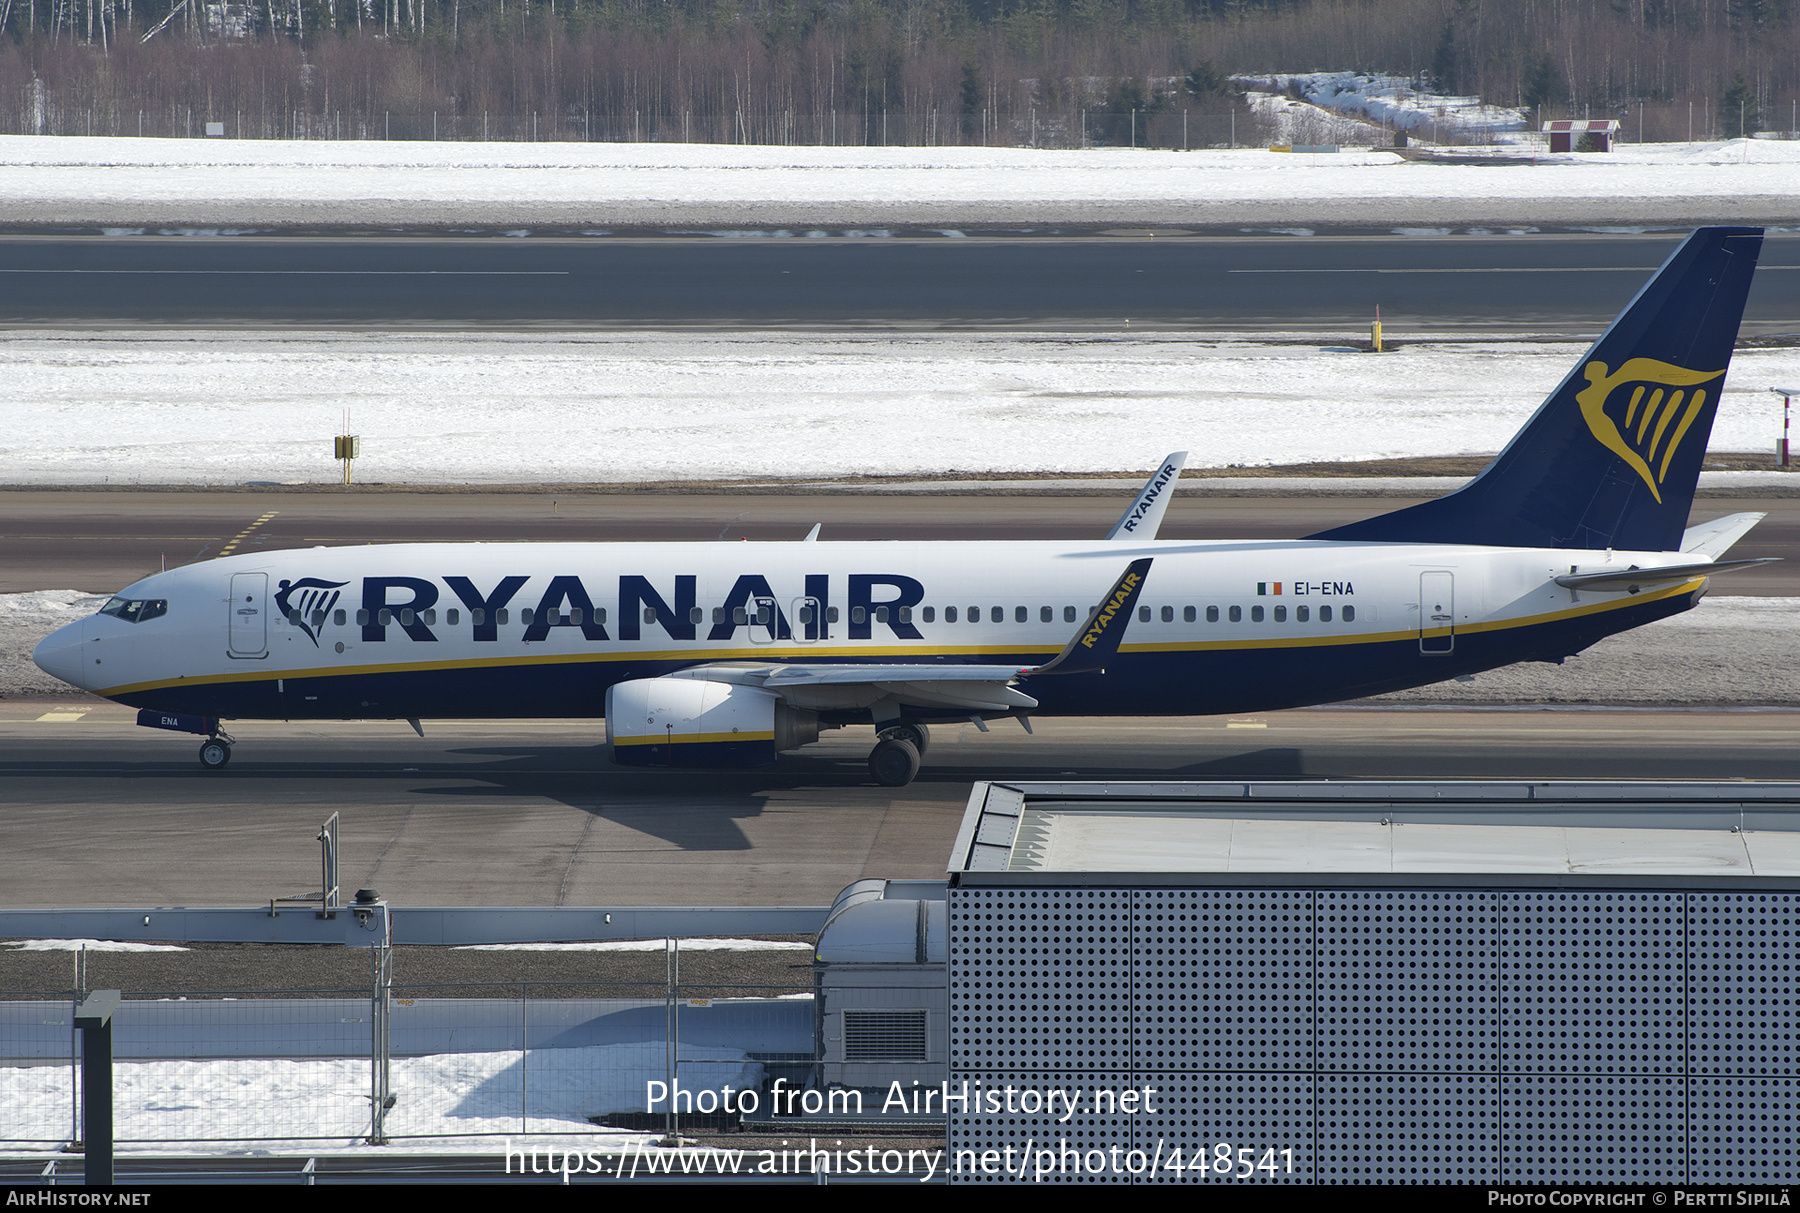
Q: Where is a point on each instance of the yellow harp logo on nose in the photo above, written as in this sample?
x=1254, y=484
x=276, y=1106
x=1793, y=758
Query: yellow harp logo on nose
x=1652, y=404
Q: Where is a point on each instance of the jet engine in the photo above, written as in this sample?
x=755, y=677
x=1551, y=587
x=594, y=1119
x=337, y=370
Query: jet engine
x=688, y=722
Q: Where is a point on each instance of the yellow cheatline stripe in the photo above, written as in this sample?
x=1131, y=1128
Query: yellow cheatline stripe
x=244, y=534
x=690, y=738
x=800, y=654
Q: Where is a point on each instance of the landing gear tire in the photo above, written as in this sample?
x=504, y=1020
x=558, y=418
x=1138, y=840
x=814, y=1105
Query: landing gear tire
x=917, y=734
x=893, y=762
x=214, y=753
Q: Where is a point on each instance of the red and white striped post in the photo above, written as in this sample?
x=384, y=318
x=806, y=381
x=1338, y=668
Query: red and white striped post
x=1787, y=395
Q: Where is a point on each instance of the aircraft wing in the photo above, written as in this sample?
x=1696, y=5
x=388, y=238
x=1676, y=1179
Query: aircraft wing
x=1144, y=516
x=1713, y=539
x=1634, y=579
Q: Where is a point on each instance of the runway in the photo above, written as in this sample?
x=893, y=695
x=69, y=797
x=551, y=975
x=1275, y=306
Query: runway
x=100, y=812
x=1537, y=284
x=100, y=541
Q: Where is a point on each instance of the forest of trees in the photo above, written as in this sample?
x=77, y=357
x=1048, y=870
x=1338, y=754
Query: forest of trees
x=842, y=71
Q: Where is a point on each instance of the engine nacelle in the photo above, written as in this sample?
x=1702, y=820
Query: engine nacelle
x=687, y=722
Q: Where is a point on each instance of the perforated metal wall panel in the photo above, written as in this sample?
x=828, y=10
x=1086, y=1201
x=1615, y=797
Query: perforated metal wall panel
x=1593, y=1128
x=1594, y=982
x=1743, y=992
x=1386, y=1034
x=1222, y=980
x=1408, y=1128
x=1204, y=1121
x=1406, y=981
x=1040, y=979
x=1049, y=1144
x=1743, y=1130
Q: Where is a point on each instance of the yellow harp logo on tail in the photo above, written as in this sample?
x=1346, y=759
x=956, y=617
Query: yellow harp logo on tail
x=1652, y=404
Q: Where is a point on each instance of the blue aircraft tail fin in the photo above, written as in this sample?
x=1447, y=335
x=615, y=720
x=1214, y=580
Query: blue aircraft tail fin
x=1611, y=459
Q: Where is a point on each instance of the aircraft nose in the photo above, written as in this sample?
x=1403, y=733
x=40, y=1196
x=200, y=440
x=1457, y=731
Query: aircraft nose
x=60, y=653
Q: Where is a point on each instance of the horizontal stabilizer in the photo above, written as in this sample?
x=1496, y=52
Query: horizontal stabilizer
x=1714, y=539
x=1634, y=579
x=1140, y=522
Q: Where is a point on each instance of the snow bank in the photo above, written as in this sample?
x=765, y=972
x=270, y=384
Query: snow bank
x=268, y=1101
x=448, y=408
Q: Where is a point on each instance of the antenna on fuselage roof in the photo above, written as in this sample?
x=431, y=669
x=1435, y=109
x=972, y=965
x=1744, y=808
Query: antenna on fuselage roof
x=1144, y=516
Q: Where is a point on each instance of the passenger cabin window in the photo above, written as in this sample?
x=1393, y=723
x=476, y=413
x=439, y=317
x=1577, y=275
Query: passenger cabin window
x=452, y=616
x=526, y=615
x=386, y=617
x=1349, y=614
x=997, y=614
x=1021, y=615
x=1143, y=614
x=337, y=617
x=1237, y=614
x=1187, y=614
x=1046, y=615
x=905, y=614
x=1212, y=614
x=949, y=614
x=1324, y=614
x=880, y=614
x=1280, y=614
x=477, y=616
x=1068, y=614
x=858, y=615
x=1168, y=614
x=362, y=619
x=831, y=614
x=1256, y=614
x=695, y=615
x=974, y=614
x=1302, y=613
x=930, y=614
x=504, y=615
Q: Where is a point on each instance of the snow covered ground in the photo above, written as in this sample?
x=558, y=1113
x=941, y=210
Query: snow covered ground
x=124, y=182
x=266, y=1104
x=461, y=408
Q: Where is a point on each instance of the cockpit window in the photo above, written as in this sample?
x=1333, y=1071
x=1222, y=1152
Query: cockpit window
x=136, y=610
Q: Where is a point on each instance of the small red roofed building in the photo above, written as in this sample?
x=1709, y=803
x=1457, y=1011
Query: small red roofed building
x=1566, y=134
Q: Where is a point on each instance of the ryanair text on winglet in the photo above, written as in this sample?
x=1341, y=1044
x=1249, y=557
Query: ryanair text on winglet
x=1158, y=483
x=1127, y=585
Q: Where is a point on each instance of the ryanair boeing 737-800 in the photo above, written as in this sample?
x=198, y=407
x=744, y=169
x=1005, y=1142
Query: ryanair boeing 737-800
x=727, y=654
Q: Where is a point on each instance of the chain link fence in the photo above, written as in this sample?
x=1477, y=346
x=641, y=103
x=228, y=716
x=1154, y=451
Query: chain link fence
x=400, y=1062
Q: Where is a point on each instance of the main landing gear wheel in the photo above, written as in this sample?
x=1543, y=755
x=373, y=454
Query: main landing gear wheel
x=917, y=734
x=893, y=762
x=214, y=753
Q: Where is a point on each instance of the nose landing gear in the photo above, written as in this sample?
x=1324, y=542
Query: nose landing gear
x=215, y=751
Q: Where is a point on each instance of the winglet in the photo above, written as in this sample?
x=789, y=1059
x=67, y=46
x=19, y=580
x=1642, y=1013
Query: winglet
x=1099, y=638
x=812, y=536
x=1141, y=521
